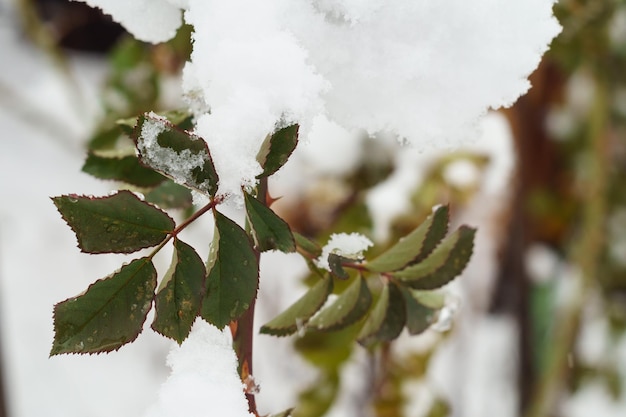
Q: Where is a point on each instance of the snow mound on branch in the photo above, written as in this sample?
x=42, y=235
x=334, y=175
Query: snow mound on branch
x=204, y=379
x=148, y=20
x=423, y=70
x=347, y=245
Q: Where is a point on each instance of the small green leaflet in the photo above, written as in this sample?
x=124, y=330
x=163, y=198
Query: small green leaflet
x=415, y=246
x=179, y=299
x=444, y=264
x=126, y=169
x=109, y=314
x=336, y=263
x=387, y=319
x=307, y=245
x=347, y=309
x=170, y=195
x=269, y=231
x=233, y=273
x=299, y=312
x=120, y=223
x=175, y=152
x=419, y=317
x=276, y=149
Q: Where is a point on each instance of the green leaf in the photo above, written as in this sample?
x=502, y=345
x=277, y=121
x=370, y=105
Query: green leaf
x=176, y=153
x=179, y=300
x=318, y=399
x=120, y=223
x=285, y=413
x=269, y=231
x=170, y=195
x=419, y=317
x=387, y=319
x=276, y=149
x=233, y=273
x=109, y=314
x=444, y=264
x=307, y=245
x=336, y=262
x=299, y=312
x=415, y=246
x=126, y=169
x=346, y=310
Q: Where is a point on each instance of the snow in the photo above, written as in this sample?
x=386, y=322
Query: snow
x=423, y=71
x=204, y=377
x=148, y=20
x=348, y=245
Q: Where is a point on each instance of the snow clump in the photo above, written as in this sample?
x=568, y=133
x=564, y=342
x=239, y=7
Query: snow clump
x=423, y=70
x=347, y=245
x=204, y=379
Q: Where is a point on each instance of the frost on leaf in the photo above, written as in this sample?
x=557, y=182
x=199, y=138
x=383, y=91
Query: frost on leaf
x=176, y=153
x=109, y=314
x=120, y=223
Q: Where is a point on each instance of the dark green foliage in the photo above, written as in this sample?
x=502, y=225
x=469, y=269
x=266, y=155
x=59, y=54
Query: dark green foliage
x=120, y=223
x=178, y=301
x=276, y=150
x=415, y=246
x=419, y=317
x=269, y=231
x=306, y=245
x=233, y=273
x=109, y=314
x=126, y=169
x=445, y=263
x=170, y=195
x=346, y=310
x=297, y=315
x=387, y=318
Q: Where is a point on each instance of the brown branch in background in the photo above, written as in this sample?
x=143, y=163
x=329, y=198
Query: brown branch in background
x=538, y=170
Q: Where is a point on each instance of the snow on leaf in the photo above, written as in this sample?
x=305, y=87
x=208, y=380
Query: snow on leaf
x=176, y=153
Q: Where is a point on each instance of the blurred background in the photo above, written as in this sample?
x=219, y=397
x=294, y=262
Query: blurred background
x=535, y=327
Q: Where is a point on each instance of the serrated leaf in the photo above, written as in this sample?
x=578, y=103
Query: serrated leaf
x=269, y=231
x=276, y=149
x=109, y=314
x=233, y=273
x=176, y=153
x=126, y=169
x=419, y=317
x=179, y=300
x=444, y=264
x=387, y=319
x=415, y=246
x=120, y=223
x=307, y=245
x=299, y=312
x=170, y=195
x=346, y=310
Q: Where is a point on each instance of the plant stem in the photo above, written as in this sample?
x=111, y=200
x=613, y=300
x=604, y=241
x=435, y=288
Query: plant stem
x=587, y=253
x=243, y=330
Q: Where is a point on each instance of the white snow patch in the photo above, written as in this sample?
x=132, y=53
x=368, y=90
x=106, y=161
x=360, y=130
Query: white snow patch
x=350, y=245
x=204, y=378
